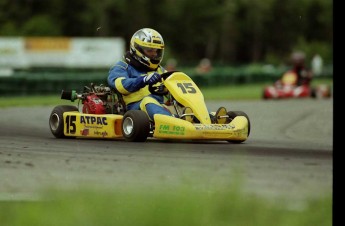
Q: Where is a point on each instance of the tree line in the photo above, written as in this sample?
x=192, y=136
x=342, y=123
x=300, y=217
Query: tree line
x=229, y=32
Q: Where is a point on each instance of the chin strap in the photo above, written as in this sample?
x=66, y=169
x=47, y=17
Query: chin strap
x=135, y=63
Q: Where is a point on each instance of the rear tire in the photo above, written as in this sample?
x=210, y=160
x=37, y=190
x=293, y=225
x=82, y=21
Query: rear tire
x=264, y=96
x=56, y=123
x=135, y=126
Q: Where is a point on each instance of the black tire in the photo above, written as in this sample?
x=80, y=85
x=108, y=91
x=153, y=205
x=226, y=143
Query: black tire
x=56, y=120
x=264, y=96
x=313, y=93
x=233, y=114
x=135, y=126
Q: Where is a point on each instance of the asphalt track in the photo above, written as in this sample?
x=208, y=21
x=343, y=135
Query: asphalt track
x=289, y=154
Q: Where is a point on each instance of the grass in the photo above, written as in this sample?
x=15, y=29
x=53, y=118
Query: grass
x=43, y=100
x=182, y=207
x=234, y=92
x=246, y=91
x=239, y=92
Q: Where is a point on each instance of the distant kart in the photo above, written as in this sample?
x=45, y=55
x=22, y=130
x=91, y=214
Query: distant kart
x=287, y=88
x=104, y=115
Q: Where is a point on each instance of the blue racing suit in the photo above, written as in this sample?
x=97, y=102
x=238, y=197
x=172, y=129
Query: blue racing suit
x=129, y=81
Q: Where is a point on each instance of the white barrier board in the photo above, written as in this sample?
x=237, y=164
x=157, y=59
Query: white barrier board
x=26, y=52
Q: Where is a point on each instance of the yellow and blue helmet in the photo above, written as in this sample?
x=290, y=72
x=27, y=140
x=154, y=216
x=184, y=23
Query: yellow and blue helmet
x=143, y=41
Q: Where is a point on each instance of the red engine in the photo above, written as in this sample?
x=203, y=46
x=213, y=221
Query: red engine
x=93, y=105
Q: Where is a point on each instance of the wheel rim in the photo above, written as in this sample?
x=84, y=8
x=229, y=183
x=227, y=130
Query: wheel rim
x=127, y=126
x=54, y=121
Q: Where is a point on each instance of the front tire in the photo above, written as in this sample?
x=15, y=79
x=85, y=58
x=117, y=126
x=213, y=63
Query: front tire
x=234, y=114
x=56, y=119
x=135, y=126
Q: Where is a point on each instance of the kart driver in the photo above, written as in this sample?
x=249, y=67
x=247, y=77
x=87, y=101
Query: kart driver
x=139, y=68
x=303, y=74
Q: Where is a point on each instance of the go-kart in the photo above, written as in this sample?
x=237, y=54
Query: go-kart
x=103, y=115
x=287, y=88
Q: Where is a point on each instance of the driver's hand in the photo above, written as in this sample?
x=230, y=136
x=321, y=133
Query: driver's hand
x=161, y=88
x=152, y=78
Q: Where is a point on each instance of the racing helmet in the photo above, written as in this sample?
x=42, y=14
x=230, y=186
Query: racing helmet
x=145, y=41
x=298, y=58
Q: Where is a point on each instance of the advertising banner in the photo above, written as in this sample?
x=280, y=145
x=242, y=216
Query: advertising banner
x=64, y=52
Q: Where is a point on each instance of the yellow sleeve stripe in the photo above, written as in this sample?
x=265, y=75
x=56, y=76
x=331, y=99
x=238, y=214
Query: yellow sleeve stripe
x=119, y=86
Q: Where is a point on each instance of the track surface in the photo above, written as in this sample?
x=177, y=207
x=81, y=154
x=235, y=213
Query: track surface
x=288, y=154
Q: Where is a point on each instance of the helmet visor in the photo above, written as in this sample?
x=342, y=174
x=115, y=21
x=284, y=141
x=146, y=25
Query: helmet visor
x=152, y=53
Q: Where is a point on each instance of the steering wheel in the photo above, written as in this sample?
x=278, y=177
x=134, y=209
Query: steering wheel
x=160, y=89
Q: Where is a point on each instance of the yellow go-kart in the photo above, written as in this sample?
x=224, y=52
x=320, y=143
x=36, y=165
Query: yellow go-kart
x=102, y=114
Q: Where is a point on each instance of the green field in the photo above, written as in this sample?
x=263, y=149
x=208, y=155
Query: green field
x=183, y=206
x=238, y=92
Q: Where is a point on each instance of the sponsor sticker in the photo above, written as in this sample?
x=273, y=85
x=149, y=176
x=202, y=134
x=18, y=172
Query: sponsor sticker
x=93, y=120
x=168, y=129
x=214, y=127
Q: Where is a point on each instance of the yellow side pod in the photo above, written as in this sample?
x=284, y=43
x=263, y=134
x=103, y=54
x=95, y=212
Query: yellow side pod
x=173, y=128
x=78, y=124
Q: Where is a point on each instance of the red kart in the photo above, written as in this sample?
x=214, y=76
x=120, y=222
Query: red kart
x=287, y=87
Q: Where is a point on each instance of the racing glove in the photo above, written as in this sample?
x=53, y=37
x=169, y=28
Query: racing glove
x=152, y=78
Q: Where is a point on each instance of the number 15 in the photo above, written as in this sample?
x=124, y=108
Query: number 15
x=186, y=87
